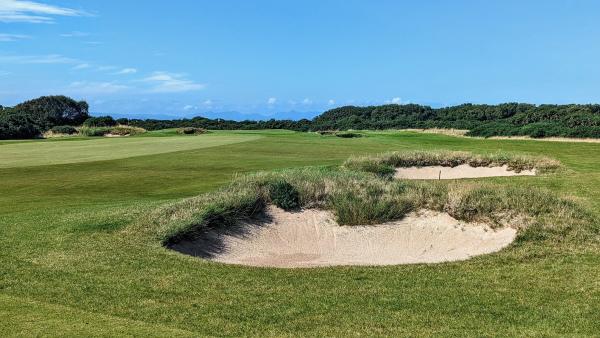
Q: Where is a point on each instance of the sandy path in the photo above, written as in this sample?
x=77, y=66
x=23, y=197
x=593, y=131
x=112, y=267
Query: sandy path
x=461, y=171
x=312, y=238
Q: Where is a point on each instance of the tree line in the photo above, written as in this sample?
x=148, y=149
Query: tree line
x=32, y=118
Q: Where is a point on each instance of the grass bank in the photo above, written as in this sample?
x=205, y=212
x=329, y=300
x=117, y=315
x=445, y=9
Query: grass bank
x=386, y=163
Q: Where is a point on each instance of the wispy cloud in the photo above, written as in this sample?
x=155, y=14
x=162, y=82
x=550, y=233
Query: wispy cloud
x=395, y=100
x=84, y=87
x=271, y=100
x=165, y=82
x=126, y=71
x=74, y=34
x=331, y=102
x=82, y=66
x=4, y=73
x=37, y=59
x=32, y=12
x=307, y=101
x=13, y=37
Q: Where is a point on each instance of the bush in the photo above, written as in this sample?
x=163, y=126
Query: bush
x=284, y=195
x=123, y=121
x=50, y=111
x=126, y=131
x=191, y=131
x=90, y=131
x=17, y=126
x=69, y=130
x=102, y=121
x=117, y=131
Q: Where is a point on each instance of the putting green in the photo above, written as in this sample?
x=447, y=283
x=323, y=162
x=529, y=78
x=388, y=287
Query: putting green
x=28, y=154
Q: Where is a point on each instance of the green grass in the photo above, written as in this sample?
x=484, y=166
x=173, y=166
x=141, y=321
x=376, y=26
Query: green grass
x=76, y=261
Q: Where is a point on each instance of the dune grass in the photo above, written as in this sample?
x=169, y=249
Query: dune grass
x=357, y=198
x=77, y=261
x=386, y=163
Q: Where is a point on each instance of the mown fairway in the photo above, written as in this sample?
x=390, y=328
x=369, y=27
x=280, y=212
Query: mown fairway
x=73, y=264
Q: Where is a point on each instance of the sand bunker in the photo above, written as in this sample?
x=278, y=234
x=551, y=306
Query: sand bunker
x=461, y=171
x=311, y=238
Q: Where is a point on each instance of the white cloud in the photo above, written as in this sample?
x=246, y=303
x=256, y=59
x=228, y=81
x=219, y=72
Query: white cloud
x=37, y=59
x=82, y=66
x=307, y=101
x=164, y=82
x=106, y=68
x=12, y=37
x=74, y=34
x=207, y=103
x=84, y=87
x=272, y=100
x=395, y=100
x=126, y=71
x=331, y=102
x=32, y=12
x=189, y=107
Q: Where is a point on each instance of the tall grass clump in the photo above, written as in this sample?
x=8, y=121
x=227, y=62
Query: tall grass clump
x=358, y=198
x=385, y=164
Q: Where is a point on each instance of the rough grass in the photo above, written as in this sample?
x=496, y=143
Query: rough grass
x=358, y=198
x=119, y=130
x=386, y=163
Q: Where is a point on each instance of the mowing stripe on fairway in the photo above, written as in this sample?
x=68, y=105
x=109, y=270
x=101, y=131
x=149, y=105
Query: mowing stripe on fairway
x=48, y=153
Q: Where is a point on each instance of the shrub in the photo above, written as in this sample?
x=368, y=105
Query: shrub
x=126, y=131
x=91, y=131
x=102, y=121
x=284, y=195
x=191, y=131
x=123, y=121
x=69, y=130
x=17, y=126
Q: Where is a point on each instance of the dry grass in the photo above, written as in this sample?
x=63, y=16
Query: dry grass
x=359, y=198
x=386, y=163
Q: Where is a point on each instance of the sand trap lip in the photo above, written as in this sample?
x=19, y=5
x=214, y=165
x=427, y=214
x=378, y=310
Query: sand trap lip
x=461, y=171
x=312, y=238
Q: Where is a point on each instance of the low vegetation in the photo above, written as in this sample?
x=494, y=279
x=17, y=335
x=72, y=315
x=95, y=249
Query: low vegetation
x=385, y=164
x=118, y=130
x=191, y=131
x=100, y=121
x=359, y=198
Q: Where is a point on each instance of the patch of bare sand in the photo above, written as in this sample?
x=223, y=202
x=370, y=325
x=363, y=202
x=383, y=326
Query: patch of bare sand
x=461, y=171
x=312, y=238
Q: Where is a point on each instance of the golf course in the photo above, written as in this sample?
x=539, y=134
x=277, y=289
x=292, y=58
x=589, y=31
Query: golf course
x=86, y=225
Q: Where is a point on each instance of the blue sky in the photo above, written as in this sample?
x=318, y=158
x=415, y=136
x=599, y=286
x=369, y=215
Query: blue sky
x=286, y=59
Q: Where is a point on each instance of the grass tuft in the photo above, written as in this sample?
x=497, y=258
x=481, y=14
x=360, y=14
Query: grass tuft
x=358, y=198
x=385, y=164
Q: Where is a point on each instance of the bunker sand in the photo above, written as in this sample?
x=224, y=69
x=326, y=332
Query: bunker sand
x=312, y=238
x=461, y=171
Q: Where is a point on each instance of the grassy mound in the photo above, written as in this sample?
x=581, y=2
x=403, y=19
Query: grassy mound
x=386, y=164
x=190, y=131
x=358, y=198
x=119, y=130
